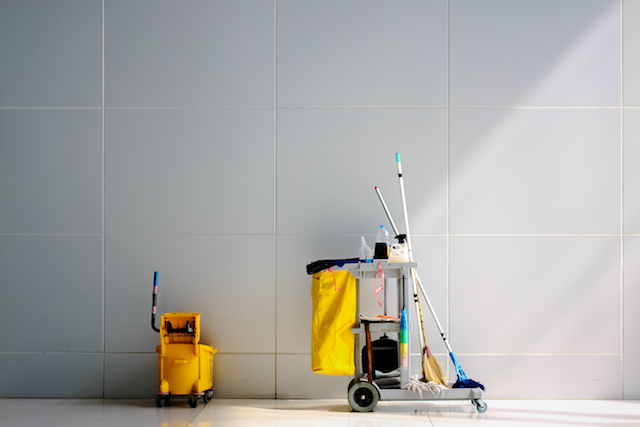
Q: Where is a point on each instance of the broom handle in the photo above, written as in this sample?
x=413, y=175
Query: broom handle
x=424, y=293
x=404, y=207
x=433, y=313
x=384, y=205
x=416, y=297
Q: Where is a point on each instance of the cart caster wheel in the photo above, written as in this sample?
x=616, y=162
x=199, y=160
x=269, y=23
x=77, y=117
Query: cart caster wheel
x=480, y=405
x=353, y=381
x=207, y=396
x=193, y=401
x=160, y=401
x=363, y=397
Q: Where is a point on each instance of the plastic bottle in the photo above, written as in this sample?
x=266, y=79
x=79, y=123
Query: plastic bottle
x=383, y=235
x=366, y=254
x=382, y=243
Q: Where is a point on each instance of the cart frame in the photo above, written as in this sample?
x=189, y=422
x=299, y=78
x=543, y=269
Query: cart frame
x=362, y=395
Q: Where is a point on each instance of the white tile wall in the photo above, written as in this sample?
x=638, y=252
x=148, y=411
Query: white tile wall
x=195, y=54
x=46, y=188
x=330, y=160
x=631, y=52
x=295, y=380
x=631, y=373
x=53, y=375
x=237, y=376
x=546, y=376
x=631, y=136
x=631, y=296
x=51, y=294
x=535, y=171
x=543, y=294
x=543, y=53
x=130, y=375
x=189, y=171
x=362, y=53
x=51, y=53
x=227, y=144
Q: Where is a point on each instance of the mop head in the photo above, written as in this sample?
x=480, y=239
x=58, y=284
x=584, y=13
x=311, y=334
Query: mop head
x=463, y=381
x=431, y=369
x=467, y=383
x=418, y=386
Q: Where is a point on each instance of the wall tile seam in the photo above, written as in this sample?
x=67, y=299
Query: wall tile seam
x=315, y=235
x=52, y=234
x=446, y=355
x=318, y=235
x=468, y=235
x=232, y=353
x=51, y=108
x=53, y=352
x=135, y=352
x=354, y=107
x=137, y=234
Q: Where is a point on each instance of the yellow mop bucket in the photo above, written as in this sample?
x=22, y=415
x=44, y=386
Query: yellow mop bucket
x=185, y=367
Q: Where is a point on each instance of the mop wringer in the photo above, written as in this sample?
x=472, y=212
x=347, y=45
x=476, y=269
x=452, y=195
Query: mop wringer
x=185, y=367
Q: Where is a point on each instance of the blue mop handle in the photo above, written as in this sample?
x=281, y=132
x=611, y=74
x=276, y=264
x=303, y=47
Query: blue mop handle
x=461, y=375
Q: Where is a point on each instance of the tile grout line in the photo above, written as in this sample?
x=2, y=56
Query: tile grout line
x=349, y=107
x=622, y=196
x=343, y=235
x=414, y=354
x=275, y=194
x=448, y=313
x=103, y=205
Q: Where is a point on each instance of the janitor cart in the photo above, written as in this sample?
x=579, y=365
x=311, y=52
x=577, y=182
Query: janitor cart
x=364, y=391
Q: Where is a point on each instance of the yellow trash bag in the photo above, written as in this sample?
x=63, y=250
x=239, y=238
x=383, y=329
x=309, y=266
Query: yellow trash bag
x=334, y=313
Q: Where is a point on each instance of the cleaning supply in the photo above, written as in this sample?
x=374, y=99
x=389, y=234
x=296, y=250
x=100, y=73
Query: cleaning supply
x=399, y=253
x=382, y=244
x=185, y=367
x=385, y=355
x=418, y=386
x=366, y=254
x=404, y=344
x=333, y=315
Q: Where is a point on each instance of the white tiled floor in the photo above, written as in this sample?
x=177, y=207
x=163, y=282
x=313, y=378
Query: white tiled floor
x=233, y=412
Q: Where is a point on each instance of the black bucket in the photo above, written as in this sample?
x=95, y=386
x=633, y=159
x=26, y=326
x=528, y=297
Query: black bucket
x=385, y=355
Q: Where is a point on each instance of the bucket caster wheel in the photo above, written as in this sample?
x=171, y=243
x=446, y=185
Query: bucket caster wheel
x=207, y=396
x=481, y=405
x=161, y=401
x=193, y=401
x=363, y=397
